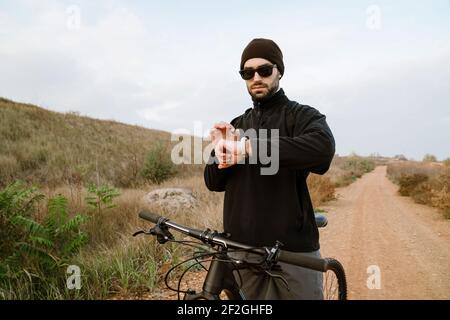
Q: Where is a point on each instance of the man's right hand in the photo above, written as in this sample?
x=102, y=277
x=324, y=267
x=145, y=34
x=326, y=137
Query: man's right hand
x=223, y=130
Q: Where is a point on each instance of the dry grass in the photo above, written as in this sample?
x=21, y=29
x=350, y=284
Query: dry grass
x=321, y=189
x=345, y=170
x=62, y=153
x=426, y=182
x=52, y=149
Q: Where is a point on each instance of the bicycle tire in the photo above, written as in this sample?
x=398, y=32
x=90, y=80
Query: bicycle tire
x=334, y=281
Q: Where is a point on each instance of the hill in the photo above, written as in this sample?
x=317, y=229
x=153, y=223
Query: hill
x=51, y=148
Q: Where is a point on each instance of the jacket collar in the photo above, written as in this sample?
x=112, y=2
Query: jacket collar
x=277, y=99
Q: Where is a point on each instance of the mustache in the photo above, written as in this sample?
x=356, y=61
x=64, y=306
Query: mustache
x=258, y=84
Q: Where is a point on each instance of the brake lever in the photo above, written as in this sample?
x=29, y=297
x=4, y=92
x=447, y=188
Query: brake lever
x=140, y=232
x=277, y=276
x=162, y=233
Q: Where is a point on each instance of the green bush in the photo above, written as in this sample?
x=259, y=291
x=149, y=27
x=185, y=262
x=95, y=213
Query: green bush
x=15, y=200
x=158, y=166
x=34, y=253
x=101, y=198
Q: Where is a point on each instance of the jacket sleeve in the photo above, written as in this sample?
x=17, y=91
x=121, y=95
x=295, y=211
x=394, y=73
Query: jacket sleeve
x=311, y=146
x=215, y=178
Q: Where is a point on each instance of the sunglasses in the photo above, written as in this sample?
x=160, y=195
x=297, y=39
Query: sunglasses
x=263, y=71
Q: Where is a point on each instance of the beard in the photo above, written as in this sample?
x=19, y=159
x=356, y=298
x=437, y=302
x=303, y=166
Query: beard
x=259, y=97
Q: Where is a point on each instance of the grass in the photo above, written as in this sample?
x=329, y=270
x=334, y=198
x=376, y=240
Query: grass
x=50, y=148
x=346, y=170
x=426, y=182
x=63, y=153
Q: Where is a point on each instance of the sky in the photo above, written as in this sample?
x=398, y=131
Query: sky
x=379, y=70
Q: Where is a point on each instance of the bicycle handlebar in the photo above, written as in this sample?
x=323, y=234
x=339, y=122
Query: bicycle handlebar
x=152, y=217
x=213, y=238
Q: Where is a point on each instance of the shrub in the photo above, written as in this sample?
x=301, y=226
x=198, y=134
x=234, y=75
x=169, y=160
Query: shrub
x=34, y=252
x=15, y=200
x=408, y=182
x=429, y=158
x=440, y=195
x=321, y=189
x=345, y=179
x=447, y=162
x=358, y=166
x=353, y=167
x=101, y=198
x=158, y=166
x=48, y=245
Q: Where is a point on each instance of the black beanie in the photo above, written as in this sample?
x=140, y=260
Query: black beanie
x=263, y=48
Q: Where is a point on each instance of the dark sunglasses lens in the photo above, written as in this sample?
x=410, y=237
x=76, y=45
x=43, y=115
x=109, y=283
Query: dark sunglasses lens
x=265, y=71
x=247, y=74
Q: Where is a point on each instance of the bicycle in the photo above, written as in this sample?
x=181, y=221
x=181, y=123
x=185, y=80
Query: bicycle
x=220, y=272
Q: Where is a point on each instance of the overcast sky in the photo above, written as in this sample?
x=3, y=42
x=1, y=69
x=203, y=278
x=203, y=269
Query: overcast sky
x=379, y=70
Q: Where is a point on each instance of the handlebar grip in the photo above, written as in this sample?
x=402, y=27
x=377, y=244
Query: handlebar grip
x=296, y=258
x=149, y=216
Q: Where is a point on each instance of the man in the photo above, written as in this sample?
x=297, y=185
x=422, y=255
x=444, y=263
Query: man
x=260, y=209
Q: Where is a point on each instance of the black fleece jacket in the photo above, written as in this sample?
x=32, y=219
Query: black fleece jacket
x=261, y=209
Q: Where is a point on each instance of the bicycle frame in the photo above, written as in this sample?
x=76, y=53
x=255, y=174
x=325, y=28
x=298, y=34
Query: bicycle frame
x=219, y=278
x=220, y=273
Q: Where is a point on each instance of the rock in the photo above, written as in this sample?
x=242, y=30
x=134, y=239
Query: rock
x=171, y=198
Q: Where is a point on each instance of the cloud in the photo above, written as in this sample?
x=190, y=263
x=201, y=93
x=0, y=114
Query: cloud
x=152, y=65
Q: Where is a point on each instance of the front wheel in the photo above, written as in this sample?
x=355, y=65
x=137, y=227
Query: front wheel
x=334, y=281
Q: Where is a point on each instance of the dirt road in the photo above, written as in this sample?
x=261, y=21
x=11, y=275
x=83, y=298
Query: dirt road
x=371, y=225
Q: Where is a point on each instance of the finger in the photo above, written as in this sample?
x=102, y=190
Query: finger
x=225, y=158
x=230, y=146
x=215, y=133
x=214, y=130
x=220, y=148
x=222, y=125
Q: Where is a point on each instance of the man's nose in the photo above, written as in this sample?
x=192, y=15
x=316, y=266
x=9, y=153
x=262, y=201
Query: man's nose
x=256, y=77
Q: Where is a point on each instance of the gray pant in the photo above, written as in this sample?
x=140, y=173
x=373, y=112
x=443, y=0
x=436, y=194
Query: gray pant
x=302, y=283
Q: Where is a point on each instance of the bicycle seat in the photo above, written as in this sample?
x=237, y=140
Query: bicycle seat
x=321, y=220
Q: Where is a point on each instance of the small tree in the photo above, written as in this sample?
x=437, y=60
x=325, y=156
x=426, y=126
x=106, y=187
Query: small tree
x=429, y=158
x=158, y=166
x=101, y=198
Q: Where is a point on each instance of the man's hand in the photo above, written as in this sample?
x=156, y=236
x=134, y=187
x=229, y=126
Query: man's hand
x=223, y=130
x=231, y=152
x=228, y=147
